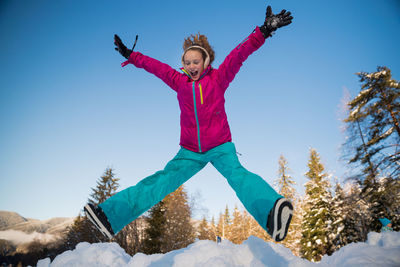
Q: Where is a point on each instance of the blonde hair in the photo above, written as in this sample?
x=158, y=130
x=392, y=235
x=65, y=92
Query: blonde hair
x=199, y=40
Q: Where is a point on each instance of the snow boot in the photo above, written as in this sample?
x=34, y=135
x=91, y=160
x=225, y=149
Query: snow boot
x=99, y=219
x=279, y=219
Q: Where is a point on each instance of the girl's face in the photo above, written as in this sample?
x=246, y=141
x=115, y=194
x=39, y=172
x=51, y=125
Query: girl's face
x=194, y=64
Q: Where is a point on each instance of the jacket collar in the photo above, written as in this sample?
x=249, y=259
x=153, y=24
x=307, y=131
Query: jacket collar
x=207, y=70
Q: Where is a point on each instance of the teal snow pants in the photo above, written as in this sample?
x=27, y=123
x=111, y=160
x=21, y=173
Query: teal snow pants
x=257, y=196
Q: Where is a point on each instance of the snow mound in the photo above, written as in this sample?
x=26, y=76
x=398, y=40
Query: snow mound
x=380, y=250
x=85, y=254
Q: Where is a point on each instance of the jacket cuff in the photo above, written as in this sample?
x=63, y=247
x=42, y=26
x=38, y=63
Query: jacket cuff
x=259, y=37
x=129, y=61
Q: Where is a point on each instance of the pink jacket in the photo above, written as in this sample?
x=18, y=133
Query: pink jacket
x=204, y=124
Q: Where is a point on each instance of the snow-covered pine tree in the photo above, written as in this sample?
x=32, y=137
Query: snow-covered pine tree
x=356, y=215
x=179, y=230
x=316, y=218
x=374, y=141
x=371, y=194
x=377, y=109
x=337, y=239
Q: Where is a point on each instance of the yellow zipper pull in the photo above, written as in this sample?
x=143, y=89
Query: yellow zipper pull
x=201, y=94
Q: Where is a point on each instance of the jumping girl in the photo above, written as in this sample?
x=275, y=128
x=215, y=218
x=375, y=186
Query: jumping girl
x=205, y=136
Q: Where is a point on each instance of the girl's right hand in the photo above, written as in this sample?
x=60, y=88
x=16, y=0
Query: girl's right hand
x=121, y=48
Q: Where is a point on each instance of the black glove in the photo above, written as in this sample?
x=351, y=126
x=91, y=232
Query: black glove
x=273, y=22
x=121, y=48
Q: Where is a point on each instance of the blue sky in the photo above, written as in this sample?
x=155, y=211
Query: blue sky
x=68, y=110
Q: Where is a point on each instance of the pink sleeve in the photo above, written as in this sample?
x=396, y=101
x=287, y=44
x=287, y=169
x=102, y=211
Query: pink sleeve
x=163, y=71
x=232, y=63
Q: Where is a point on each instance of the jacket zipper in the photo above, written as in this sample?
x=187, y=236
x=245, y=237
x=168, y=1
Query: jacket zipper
x=194, y=104
x=195, y=113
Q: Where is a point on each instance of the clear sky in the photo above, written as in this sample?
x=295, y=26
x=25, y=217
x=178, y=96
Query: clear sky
x=68, y=110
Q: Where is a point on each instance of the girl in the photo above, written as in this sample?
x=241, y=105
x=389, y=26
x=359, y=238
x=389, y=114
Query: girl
x=205, y=136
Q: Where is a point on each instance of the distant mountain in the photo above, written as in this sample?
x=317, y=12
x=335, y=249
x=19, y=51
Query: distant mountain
x=8, y=219
x=14, y=221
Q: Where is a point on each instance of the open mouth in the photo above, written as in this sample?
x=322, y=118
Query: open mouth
x=194, y=73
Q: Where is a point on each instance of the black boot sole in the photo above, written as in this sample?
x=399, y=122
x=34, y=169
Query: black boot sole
x=282, y=215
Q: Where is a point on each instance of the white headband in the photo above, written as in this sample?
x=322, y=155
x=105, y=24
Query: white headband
x=206, y=61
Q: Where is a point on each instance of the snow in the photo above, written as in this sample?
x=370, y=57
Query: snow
x=376, y=75
x=381, y=249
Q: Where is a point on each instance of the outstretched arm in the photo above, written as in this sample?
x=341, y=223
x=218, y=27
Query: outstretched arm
x=163, y=71
x=232, y=63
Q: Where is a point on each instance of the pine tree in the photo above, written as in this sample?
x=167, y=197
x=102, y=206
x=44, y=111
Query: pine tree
x=224, y=223
x=220, y=227
x=377, y=109
x=204, y=230
x=155, y=241
x=374, y=142
x=227, y=223
x=179, y=230
x=285, y=181
x=337, y=240
x=356, y=215
x=106, y=187
x=239, y=228
x=169, y=224
x=316, y=217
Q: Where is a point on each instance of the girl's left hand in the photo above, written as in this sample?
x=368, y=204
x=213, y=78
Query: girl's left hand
x=273, y=22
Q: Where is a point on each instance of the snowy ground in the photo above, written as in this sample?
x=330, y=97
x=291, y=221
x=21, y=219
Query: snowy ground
x=380, y=250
